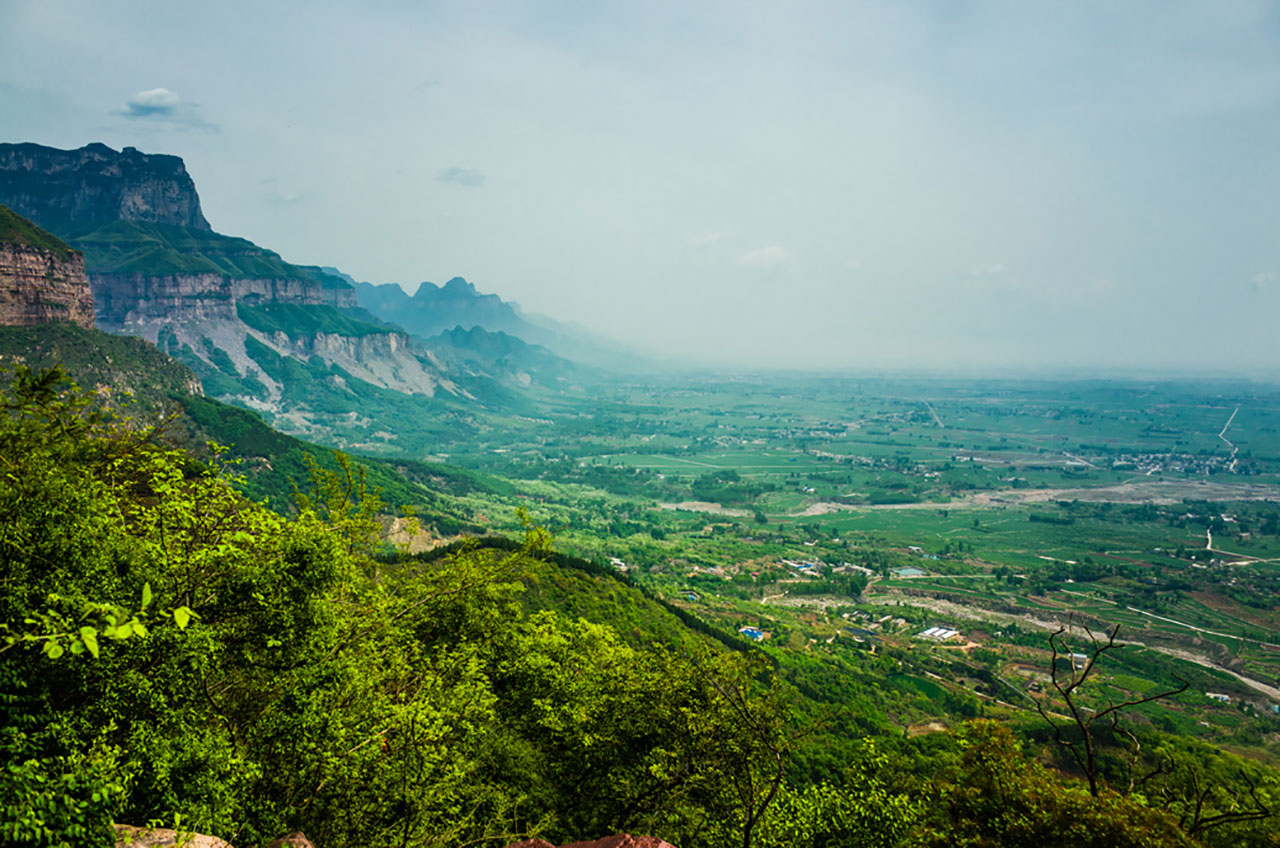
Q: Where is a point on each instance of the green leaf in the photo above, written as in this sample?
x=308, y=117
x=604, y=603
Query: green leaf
x=146, y=595
x=90, y=638
x=139, y=628
x=52, y=649
x=182, y=616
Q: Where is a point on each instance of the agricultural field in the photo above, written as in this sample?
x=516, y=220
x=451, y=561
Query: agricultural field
x=843, y=518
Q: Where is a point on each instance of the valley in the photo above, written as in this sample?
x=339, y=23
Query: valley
x=813, y=507
x=845, y=575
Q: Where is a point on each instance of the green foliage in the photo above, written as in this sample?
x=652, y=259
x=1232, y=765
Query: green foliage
x=120, y=368
x=257, y=674
x=136, y=247
x=998, y=798
x=15, y=229
x=303, y=321
x=860, y=809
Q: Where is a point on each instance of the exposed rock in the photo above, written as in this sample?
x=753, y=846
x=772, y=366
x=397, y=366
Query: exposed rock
x=95, y=183
x=128, y=836
x=620, y=840
x=297, y=839
x=41, y=279
x=386, y=360
x=126, y=299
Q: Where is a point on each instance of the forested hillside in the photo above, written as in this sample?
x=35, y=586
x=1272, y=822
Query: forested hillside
x=174, y=652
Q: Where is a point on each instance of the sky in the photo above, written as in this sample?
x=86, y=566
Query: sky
x=979, y=187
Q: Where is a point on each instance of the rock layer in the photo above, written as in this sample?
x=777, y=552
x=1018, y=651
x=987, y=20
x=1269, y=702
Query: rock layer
x=37, y=286
x=129, y=299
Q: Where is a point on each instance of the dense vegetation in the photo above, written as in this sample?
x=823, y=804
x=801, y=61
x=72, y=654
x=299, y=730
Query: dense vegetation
x=174, y=651
x=136, y=247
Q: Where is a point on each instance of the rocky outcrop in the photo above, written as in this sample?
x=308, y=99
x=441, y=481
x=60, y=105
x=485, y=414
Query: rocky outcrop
x=56, y=188
x=128, y=836
x=41, y=280
x=301, y=292
x=129, y=299
x=387, y=360
x=620, y=840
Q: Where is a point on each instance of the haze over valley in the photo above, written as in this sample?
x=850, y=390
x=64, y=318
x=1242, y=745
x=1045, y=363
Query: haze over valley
x=639, y=426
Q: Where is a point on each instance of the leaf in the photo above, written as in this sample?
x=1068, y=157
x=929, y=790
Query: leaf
x=90, y=638
x=52, y=649
x=139, y=628
x=182, y=616
x=146, y=595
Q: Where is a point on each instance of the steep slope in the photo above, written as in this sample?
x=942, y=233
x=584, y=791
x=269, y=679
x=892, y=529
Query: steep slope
x=41, y=278
x=258, y=331
x=132, y=377
x=62, y=188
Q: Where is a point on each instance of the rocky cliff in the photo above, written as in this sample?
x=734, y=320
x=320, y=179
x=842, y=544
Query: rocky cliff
x=41, y=279
x=128, y=300
x=61, y=188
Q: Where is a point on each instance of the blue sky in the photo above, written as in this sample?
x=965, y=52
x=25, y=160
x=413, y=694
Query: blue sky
x=977, y=186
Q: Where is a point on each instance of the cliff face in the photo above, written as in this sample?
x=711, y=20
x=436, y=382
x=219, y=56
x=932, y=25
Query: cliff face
x=36, y=286
x=60, y=188
x=41, y=279
x=129, y=299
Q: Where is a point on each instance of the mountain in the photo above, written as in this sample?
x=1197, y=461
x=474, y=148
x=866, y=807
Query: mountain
x=61, y=188
x=284, y=339
x=433, y=309
x=505, y=357
x=41, y=277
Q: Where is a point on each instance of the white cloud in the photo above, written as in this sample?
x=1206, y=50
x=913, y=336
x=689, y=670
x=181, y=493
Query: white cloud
x=765, y=257
x=1264, y=280
x=163, y=106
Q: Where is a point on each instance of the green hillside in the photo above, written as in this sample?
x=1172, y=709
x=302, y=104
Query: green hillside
x=116, y=365
x=303, y=321
x=15, y=229
x=131, y=247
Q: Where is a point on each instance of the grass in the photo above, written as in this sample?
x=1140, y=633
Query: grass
x=132, y=247
x=15, y=229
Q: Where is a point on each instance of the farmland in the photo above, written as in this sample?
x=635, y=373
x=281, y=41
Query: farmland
x=842, y=517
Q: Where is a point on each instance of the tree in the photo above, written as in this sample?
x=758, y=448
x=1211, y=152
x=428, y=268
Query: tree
x=1082, y=745
x=999, y=798
x=858, y=809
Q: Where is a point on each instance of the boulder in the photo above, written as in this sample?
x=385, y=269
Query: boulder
x=128, y=836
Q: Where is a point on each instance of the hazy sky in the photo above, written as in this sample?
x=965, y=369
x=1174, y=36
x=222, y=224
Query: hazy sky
x=850, y=185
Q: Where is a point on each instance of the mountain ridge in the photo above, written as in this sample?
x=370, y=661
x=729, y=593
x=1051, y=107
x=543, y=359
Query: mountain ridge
x=56, y=187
